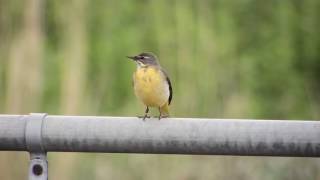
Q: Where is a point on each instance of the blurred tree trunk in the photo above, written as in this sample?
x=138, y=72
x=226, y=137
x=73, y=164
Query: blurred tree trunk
x=72, y=16
x=74, y=66
x=25, y=62
x=23, y=78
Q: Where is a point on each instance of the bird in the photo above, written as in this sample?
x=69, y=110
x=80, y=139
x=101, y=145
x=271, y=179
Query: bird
x=152, y=84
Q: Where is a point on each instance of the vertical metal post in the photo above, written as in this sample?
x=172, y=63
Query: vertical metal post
x=38, y=167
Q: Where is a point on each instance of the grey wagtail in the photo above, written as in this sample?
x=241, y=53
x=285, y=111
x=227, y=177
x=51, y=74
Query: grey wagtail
x=151, y=84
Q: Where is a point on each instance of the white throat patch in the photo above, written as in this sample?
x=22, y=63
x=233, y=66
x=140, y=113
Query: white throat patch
x=140, y=64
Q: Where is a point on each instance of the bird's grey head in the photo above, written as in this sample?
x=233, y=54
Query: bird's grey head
x=145, y=59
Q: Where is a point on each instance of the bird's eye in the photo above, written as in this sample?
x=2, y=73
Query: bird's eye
x=141, y=57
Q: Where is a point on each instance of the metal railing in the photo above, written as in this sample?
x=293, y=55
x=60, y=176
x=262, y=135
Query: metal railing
x=39, y=133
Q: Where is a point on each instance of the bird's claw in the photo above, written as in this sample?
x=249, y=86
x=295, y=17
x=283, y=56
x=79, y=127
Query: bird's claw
x=144, y=117
x=161, y=116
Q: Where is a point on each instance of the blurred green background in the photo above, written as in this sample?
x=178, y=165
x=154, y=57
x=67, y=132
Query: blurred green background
x=226, y=59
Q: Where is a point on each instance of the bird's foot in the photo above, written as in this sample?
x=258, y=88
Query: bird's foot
x=162, y=116
x=144, y=117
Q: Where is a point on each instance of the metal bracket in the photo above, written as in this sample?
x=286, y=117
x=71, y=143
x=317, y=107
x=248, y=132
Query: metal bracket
x=38, y=166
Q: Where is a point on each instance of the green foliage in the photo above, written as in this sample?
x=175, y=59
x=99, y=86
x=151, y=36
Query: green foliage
x=226, y=59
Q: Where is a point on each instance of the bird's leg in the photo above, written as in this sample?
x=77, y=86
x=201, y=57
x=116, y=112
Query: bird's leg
x=160, y=113
x=146, y=113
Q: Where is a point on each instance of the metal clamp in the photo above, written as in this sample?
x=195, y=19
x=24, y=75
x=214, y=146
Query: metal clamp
x=33, y=132
x=38, y=166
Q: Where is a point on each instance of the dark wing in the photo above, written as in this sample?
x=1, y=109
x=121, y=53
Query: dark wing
x=170, y=87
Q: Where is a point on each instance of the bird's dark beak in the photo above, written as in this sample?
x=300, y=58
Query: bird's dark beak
x=133, y=57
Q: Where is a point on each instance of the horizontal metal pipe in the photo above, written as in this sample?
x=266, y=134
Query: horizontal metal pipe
x=167, y=136
x=12, y=132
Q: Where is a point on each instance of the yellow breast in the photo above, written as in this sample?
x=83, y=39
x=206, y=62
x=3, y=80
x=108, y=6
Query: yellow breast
x=150, y=86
